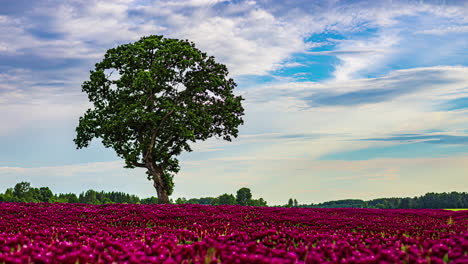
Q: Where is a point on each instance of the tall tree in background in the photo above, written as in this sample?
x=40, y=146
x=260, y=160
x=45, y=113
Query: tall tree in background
x=151, y=98
x=244, y=195
x=21, y=189
x=45, y=194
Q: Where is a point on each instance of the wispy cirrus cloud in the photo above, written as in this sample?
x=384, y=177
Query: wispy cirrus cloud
x=446, y=82
x=445, y=30
x=431, y=138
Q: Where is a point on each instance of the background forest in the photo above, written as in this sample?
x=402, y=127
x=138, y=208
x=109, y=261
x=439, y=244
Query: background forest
x=24, y=192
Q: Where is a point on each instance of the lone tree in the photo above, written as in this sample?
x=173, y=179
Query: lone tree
x=244, y=196
x=151, y=98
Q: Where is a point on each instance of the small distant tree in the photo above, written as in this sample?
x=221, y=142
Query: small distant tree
x=72, y=198
x=89, y=197
x=8, y=196
x=45, y=194
x=244, y=195
x=215, y=201
x=21, y=189
x=165, y=94
x=226, y=199
x=193, y=201
x=9, y=192
x=33, y=195
x=296, y=204
x=180, y=200
x=206, y=200
x=290, y=202
x=262, y=202
x=258, y=202
x=150, y=200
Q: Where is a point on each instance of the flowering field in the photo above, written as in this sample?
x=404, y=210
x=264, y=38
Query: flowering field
x=78, y=233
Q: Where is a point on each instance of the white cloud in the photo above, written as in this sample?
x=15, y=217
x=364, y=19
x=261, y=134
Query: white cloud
x=186, y=3
x=30, y=103
x=250, y=44
x=361, y=55
x=444, y=30
x=292, y=65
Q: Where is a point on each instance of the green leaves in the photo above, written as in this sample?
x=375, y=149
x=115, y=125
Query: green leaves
x=151, y=97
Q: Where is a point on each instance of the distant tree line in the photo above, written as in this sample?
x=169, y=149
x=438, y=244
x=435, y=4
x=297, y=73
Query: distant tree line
x=23, y=192
x=429, y=200
x=243, y=197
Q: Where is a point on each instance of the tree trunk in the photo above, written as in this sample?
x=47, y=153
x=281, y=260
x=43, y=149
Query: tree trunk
x=163, y=198
x=159, y=184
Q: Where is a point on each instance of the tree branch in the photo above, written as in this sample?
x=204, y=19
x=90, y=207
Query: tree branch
x=138, y=164
x=169, y=155
x=155, y=132
x=174, y=150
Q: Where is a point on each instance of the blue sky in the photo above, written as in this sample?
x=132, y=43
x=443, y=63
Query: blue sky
x=344, y=99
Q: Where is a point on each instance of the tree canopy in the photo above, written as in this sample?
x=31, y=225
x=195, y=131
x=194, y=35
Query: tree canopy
x=152, y=98
x=244, y=195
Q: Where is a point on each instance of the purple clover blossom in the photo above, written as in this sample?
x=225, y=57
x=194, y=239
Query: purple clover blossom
x=121, y=233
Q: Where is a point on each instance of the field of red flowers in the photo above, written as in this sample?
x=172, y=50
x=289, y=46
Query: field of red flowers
x=118, y=233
